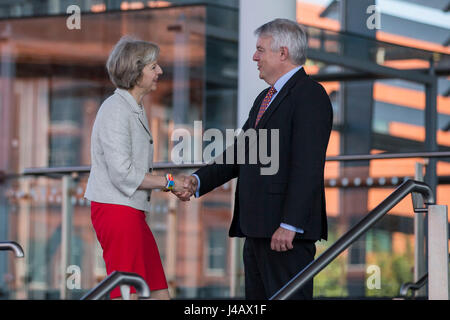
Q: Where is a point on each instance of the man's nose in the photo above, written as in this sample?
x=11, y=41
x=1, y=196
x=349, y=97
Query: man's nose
x=255, y=57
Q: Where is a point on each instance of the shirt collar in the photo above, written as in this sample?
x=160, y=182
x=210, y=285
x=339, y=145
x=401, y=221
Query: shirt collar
x=130, y=99
x=285, y=78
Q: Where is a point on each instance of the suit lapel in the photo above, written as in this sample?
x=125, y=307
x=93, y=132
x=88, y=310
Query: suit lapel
x=143, y=120
x=139, y=111
x=279, y=98
x=272, y=107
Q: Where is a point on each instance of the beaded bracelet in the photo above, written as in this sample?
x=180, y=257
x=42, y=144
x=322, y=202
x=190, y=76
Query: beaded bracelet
x=170, y=182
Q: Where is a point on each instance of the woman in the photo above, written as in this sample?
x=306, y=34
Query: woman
x=120, y=181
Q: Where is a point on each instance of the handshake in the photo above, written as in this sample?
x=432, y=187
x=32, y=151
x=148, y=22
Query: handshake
x=184, y=187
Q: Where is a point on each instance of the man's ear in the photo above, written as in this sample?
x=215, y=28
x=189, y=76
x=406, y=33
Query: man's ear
x=284, y=53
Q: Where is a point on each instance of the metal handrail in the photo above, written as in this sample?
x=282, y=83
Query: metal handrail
x=380, y=156
x=115, y=279
x=12, y=246
x=196, y=165
x=414, y=285
x=353, y=234
x=87, y=169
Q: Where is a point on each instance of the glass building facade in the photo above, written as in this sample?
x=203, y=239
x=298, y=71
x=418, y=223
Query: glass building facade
x=53, y=80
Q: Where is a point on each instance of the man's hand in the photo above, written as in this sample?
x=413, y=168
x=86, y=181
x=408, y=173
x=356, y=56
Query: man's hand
x=282, y=240
x=186, y=187
x=191, y=183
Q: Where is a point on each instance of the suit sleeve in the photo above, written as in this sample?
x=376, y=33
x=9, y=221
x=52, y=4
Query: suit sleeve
x=312, y=122
x=214, y=174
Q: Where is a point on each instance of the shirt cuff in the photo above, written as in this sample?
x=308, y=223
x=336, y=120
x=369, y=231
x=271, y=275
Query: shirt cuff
x=291, y=228
x=198, y=185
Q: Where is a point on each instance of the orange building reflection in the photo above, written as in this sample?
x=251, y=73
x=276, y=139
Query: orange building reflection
x=52, y=82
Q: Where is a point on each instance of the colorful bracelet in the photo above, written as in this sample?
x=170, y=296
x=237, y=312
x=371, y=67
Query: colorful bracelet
x=170, y=182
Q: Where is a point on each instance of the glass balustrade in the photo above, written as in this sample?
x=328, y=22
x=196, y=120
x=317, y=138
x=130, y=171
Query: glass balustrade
x=199, y=258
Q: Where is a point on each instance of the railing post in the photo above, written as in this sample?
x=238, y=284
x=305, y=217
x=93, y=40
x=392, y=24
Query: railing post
x=171, y=247
x=420, y=256
x=438, y=253
x=235, y=254
x=66, y=234
x=23, y=237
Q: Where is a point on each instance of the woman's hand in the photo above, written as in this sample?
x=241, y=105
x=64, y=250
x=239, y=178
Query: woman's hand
x=179, y=183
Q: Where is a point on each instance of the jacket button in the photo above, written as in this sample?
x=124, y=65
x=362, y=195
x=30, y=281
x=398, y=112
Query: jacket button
x=150, y=169
x=151, y=141
x=148, y=198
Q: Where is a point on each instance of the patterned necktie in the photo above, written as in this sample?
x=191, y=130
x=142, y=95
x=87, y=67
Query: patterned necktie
x=265, y=104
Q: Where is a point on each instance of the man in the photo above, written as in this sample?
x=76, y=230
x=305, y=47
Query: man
x=281, y=215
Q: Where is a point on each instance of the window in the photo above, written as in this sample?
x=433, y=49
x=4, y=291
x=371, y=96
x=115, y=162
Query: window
x=216, y=251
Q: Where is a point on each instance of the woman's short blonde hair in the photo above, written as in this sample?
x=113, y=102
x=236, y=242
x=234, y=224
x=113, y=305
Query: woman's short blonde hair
x=127, y=60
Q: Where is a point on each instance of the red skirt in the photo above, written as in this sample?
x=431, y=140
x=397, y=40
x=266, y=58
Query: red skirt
x=128, y=244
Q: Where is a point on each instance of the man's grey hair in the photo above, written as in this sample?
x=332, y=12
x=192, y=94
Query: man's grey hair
x=127, y=60
x=286, y=33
